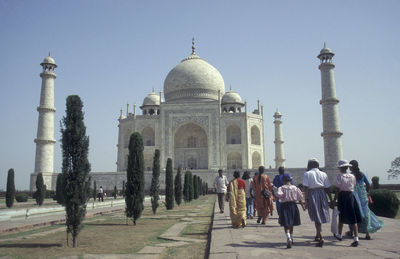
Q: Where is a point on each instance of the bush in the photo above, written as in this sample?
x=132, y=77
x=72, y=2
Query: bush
x=21, y=197
x=385, y=203
x=50, y=194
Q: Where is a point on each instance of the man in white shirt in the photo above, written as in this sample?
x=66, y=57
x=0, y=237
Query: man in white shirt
x=220, y=185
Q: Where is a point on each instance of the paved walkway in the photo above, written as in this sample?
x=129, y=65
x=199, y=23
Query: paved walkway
x=262, y=241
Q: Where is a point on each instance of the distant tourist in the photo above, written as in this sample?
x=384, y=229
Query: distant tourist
x=349, y=212
x=370, y=223
x=101, y=194
x=317, y=185
x=220, y=185
x=237, y=201
x=289, y=214
x=277, y=182
x=254, y=203
x=249, y=191
x=262, y=195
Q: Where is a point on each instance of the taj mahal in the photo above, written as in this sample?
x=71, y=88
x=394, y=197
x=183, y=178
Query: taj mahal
x=195, y=121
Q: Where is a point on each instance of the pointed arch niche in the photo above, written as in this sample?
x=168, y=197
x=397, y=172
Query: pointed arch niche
x=233, y=135
x=256, y=160
x=255, y=135
x=234, y=160
x=148, y=136
x=191, y=147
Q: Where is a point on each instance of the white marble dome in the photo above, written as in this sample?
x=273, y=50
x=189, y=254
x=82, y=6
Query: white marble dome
x=231, y=97
x=151, y=99
x=48, y=60
x=193, y=79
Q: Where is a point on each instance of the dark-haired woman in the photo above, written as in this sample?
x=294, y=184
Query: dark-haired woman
x=237, y=201
x=370, y=223
x=262, y=185
x=317, y=185
x=349, y=212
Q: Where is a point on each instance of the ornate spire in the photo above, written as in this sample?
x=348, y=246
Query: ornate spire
x=324, y=45
x=230, y=87
x=153, y=90
x=193, y=47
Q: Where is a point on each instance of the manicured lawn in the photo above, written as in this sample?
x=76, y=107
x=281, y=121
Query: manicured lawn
x=109, y=234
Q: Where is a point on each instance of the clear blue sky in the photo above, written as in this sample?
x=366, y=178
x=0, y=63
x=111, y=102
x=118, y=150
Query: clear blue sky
x=114, y=52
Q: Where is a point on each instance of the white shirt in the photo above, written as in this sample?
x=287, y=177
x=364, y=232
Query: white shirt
x=248, y=187
x=316, y=179
x=221, y=183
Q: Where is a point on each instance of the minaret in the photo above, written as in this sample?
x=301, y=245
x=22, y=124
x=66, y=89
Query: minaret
x=330, y=115
x=44, y=158
x=279, y=153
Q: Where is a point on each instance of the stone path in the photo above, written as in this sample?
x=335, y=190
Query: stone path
x=269, y=241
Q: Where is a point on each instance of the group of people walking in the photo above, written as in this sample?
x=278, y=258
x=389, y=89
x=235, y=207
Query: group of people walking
x=250, y=195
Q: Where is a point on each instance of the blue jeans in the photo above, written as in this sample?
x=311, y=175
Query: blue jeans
x=249, y=206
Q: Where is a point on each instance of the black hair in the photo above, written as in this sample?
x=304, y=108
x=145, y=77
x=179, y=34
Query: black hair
x=236, y=174
x=260, y=171
x=312, y=164
x=246, y=175
x=281, y=170
x=220, y=171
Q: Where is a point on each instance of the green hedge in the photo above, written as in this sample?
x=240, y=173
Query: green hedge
x=21, y=197
x=385, y=203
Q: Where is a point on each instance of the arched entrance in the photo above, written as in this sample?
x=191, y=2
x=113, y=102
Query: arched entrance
x=190, y=147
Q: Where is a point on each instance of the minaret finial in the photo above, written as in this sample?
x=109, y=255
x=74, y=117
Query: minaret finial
x=153, y=90
x=230, y=87
x=324, y=45
x=193, y=47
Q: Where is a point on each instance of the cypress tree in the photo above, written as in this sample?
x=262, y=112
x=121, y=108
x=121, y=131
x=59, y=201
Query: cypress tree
x=60, y=189
x=40, y=189
x=178, y=187
x=199, y=186
x=169, y=185
x=155, y=181
x=191, y=190
x=75, y=166
x=186, y=187
x=195, y=188
x=134, y=193
x=115, y=192
x=10, y=193
x=94, y=194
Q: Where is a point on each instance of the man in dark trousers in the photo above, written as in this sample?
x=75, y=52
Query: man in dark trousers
x=220, y=185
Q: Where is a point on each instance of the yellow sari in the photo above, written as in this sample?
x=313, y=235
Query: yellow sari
x=237, y=204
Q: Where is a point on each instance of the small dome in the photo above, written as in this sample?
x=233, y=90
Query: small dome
x=326, y=51
x=191, y=79
x=277, y=113
x=151, y=99
x=231, y=97
x=48, y=60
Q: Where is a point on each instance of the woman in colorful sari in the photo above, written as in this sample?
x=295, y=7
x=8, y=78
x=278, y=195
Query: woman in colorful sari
x=262, y=185
x=237, y=201
x=370, y=223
